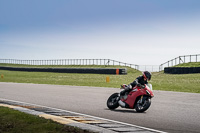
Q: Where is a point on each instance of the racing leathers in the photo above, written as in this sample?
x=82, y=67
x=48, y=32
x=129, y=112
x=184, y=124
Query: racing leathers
x=138, y=81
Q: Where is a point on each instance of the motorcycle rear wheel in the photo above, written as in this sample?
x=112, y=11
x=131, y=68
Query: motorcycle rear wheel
x=141, y=107
x=112, y=102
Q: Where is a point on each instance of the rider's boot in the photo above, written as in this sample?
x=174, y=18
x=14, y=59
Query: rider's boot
x=123, y=92
x=122, y=104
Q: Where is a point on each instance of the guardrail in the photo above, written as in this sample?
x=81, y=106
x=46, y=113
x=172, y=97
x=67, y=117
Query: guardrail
x=179, y=60
x=117, y=71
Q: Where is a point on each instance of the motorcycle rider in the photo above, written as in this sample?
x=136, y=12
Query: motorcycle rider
x=141, y=80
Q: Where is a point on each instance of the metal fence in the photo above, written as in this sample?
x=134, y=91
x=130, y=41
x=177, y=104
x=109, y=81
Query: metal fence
x=180, y=60
x=76, y=62
x=106, y=62
x=150, y=68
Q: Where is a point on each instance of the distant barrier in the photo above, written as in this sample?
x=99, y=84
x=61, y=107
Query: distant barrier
x=181, y=70
x=179, y=60
x=70, y=70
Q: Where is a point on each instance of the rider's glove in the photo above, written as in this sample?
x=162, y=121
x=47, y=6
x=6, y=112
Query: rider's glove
x=128, y=87
x=123, y=86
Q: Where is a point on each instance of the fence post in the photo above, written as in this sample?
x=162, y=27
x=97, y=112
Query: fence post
x=108, y=61
x=184, y=59
x=196, y=58
x=175, y=61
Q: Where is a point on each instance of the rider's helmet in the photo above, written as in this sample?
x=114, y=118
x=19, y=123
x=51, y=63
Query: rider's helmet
x=147, y=75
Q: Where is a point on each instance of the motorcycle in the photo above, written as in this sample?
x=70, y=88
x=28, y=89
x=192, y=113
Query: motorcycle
x=139, y=98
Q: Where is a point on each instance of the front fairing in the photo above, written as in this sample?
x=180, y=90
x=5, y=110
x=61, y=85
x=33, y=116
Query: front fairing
x=130, y=100
x=149, y=90
x=137, y=92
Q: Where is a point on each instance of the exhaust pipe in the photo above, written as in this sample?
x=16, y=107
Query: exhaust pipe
x=122, y=104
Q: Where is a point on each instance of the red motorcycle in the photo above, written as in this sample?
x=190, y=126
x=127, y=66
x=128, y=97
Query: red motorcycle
x=139, y=98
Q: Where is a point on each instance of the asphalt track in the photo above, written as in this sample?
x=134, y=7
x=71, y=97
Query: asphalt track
x=172, y=112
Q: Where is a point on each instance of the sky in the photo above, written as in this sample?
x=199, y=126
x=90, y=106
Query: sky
x=143, y=32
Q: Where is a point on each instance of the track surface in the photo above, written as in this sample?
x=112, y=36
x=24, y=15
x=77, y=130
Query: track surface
x=172, y=112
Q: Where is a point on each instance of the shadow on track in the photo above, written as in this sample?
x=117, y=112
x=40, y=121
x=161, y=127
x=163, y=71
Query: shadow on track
x=124, y=110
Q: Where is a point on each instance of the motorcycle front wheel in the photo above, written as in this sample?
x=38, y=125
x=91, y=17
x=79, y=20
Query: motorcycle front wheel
x=112, y=102
x=144, y=105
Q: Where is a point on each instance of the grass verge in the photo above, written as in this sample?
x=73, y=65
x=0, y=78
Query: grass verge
x=160, y=80
x=13, y=121
x=190, y=64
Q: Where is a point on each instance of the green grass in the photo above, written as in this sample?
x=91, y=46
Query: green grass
x=176, y=82
x=160, y=81
x=67, y=78
x=12, y=121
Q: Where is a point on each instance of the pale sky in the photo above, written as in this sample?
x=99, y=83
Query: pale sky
x=143, y=32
